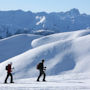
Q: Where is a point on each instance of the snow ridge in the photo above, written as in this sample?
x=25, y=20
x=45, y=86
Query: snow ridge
x=67, y=58
x=62, y=53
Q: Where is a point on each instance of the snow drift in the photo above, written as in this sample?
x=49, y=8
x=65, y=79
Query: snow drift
x=64, y=52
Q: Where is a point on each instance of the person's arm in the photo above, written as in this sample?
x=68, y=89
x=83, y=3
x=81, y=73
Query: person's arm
x=44, y=68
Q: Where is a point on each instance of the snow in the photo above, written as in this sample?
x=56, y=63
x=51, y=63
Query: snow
x=59, y=36
x=43, y=32
x=15, y=45
x=42, y=19
x=67, y=58
x=14, y=22
x=59, y=82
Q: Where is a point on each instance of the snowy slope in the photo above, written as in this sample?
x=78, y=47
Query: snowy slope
x=60, y=82
x=15, y=45
x=59, y=36
x=64, y=54
x=67, y=57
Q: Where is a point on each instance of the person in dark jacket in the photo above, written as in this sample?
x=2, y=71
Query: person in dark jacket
x=41, y=70
x=9, y=70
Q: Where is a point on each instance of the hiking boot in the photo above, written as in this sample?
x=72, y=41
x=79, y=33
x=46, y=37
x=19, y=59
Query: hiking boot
x=5, y=82
x=11, y=82
x=44, y=80
x=37, y=80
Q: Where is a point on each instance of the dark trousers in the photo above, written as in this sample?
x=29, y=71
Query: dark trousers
x=9, y=74
x=40, y=74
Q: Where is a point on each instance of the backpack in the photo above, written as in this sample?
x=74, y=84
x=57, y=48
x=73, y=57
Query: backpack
x=38, y=66
x=6, y=67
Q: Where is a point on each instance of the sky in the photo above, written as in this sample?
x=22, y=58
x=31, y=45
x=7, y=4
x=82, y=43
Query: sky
x=45, y=5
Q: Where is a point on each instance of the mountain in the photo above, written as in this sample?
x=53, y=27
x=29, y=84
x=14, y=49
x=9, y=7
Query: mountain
x=63, y=52
x=18, y=22
x=67, y=58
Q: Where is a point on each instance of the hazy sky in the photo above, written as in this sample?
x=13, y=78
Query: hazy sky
x=46, y=5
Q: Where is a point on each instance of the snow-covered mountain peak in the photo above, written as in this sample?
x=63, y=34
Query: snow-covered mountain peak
x=14, y=22
x=74, y=11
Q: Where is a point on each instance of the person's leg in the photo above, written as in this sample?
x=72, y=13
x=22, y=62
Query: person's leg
x=44, y=75
x=11, y=78
x=40, y=74
x=6, y=78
